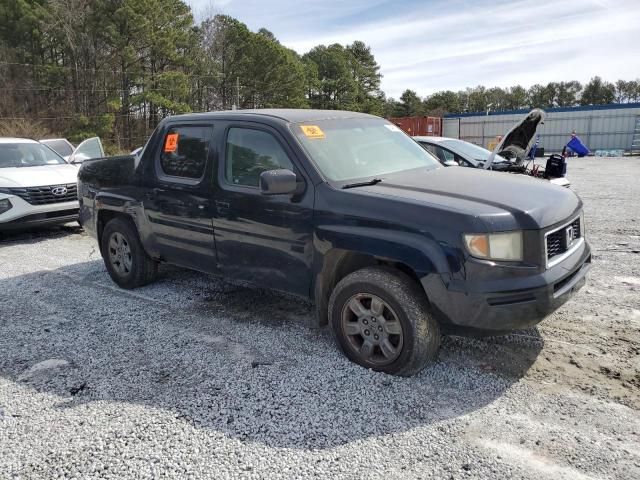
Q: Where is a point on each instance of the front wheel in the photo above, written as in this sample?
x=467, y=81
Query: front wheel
x=127, y=263
x=381, y=320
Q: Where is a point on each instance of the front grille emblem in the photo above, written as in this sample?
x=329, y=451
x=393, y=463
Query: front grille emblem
x=569, y=236
x=59, y=191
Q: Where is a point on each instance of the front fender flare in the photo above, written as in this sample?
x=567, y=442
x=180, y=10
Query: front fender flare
x=422, y=254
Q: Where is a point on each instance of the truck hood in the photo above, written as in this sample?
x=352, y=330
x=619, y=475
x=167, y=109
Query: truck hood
x=502, y=201
x=38, y=176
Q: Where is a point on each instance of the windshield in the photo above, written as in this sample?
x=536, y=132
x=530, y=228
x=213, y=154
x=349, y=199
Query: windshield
x=471, y=151
x=60, y=146
x=356, y=148
x=27, y=155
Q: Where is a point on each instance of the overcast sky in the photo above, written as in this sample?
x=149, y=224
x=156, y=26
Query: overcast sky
x=453, y=44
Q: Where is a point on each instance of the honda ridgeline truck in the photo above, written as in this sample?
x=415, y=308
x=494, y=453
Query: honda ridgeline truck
x=348, y=211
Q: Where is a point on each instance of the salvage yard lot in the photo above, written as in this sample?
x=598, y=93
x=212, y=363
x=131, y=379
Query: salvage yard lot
x=196, y=377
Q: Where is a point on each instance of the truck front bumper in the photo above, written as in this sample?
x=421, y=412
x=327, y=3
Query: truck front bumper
x=498, y=306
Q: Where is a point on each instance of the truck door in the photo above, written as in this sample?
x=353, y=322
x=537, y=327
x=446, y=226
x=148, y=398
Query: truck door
x=264, y=239
x=178, y=200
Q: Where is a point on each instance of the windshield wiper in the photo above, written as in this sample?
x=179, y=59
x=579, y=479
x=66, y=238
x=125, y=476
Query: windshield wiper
x=373, y=181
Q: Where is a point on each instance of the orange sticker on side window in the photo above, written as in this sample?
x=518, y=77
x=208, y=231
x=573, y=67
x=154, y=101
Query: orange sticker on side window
x=312, y=131
x=171, y=143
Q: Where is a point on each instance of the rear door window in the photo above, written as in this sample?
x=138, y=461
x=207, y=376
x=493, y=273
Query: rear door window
x=185, y=150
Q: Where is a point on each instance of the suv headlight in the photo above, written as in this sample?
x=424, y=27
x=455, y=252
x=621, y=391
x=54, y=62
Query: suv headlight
x=495, y=246
x=5, y=205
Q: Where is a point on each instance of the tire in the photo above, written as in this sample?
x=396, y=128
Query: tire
x=127, y=263
x=407, y=337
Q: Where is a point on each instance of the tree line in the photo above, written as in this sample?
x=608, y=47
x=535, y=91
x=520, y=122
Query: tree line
x=482, y=99
x=114, y=68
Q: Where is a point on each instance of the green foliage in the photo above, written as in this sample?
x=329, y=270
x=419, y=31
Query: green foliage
x=442, y=102
x=19, y=27
x=274, y=76
x=517, y=98
x=82, y=127
x=365, y=72
x=567, y=93
x=598, y=92
x=336, y=86
x=410, y=104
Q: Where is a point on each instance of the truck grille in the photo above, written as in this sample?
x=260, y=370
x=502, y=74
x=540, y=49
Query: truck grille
x=46, y=195
x=562, y=239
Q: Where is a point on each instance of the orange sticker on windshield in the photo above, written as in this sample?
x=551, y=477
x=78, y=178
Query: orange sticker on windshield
x=312, y=131
x=171, y=143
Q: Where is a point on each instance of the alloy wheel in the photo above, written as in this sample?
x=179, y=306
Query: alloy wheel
x=372, y=329
x=120, y=254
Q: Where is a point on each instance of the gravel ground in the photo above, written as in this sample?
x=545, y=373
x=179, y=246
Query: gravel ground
x=193, y=377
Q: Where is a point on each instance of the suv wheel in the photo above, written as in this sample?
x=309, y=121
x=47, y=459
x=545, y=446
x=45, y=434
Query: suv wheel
x=381, y=320
x=127, y=263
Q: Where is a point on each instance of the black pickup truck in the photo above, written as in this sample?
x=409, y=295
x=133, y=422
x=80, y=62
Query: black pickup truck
x=344, y=209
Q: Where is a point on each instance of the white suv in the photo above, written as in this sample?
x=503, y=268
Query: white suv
x=37, y=186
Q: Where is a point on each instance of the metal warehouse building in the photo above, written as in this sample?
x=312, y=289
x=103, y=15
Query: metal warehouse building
x=600, y=127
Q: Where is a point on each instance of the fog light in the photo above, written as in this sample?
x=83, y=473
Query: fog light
x=5, y=205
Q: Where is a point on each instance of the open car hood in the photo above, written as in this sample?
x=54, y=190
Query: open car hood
x=518, y=141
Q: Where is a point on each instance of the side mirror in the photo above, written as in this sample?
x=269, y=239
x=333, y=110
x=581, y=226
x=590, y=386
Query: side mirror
x=451, y=163
x=278, y=182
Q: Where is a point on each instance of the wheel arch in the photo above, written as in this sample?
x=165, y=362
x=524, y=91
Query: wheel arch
x=415, y=256
x=105, y=216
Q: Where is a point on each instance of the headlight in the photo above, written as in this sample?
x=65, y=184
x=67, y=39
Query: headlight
x=5, y=205
x=495, y=246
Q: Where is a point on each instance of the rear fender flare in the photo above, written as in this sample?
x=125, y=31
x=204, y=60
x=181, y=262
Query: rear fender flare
x=110, y=205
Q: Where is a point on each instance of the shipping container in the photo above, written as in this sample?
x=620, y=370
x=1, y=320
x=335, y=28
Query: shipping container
x=419, y=126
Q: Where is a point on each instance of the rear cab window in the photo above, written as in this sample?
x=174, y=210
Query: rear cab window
x=184, y=153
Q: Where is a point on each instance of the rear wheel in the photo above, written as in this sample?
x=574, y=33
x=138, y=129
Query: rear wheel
x=381, y=320
x=127, y=263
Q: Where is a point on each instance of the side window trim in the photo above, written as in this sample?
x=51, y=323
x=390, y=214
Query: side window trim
x=164, y=177
x=222, y=163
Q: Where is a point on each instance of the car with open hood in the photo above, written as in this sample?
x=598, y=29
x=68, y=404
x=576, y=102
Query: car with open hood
x=346, y=210
x=37, y=186
x=509, y=155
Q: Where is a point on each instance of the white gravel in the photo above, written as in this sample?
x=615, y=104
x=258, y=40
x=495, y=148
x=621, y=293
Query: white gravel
x=192, y=377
